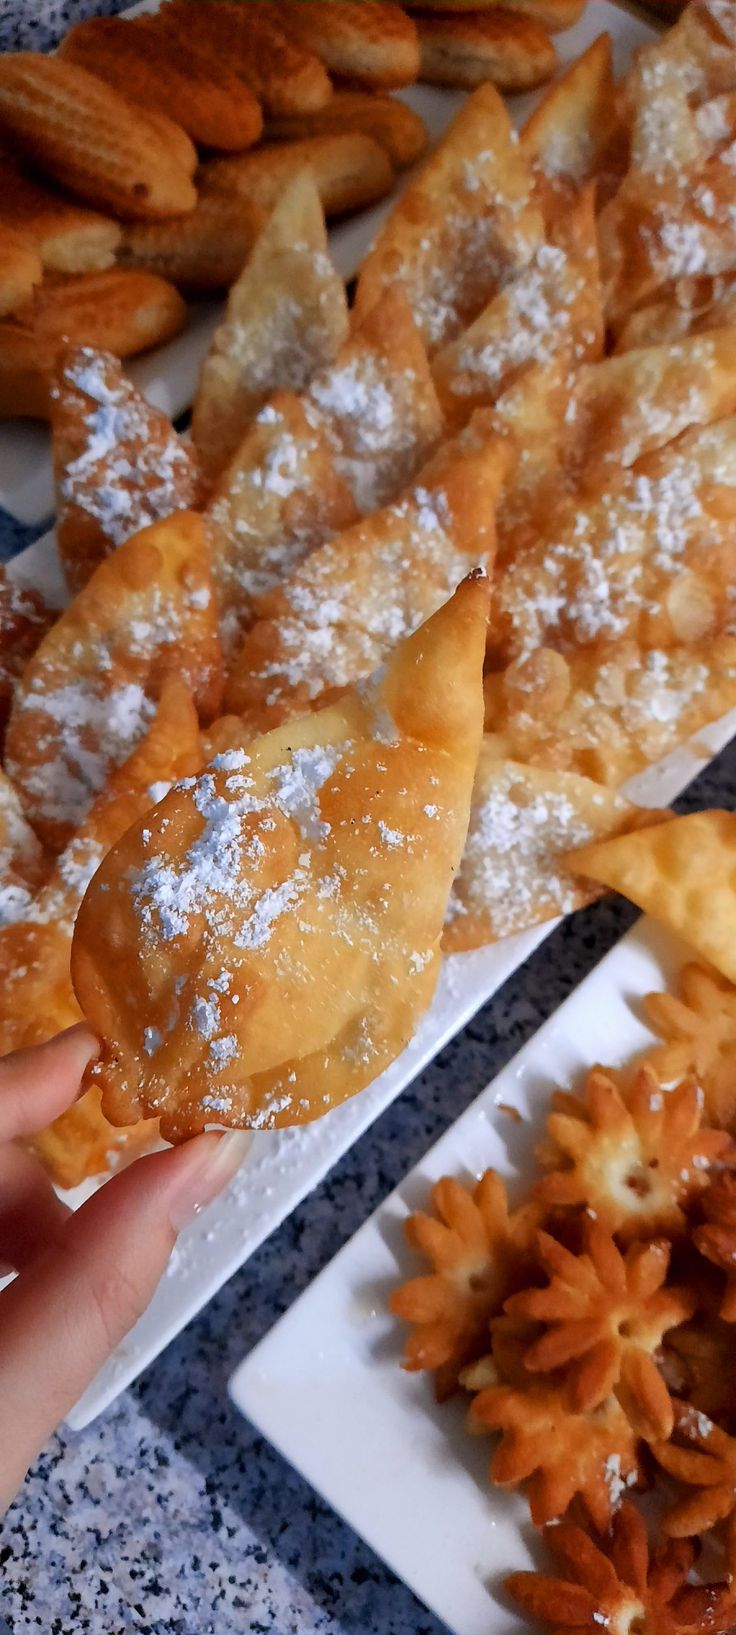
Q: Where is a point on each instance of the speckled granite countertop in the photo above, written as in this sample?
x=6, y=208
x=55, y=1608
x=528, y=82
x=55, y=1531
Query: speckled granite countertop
x=169, y=1515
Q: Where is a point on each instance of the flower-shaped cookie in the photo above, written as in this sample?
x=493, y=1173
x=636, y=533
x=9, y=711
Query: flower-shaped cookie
x=699, y=1029
x=716, y=1239
x=697, y=1363
x=703, y=1457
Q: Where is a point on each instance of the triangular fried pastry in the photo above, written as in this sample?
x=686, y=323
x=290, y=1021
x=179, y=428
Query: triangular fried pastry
x=569, y=136
x=700, y=48
x=339, y=614
x=278, y=919
x=22, y=865
x=91, y=689
x=461, y=228
x=286, y=317
x=609, y=713
x=682, y=873
x=531, y=417
x=118, y=463
x=280, y=497
x=689, y=307
x=24, y=619
x=514, y=872
x=553, y=306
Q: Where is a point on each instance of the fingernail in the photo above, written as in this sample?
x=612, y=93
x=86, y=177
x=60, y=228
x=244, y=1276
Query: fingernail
x=84, y=1041
x=206, y=1171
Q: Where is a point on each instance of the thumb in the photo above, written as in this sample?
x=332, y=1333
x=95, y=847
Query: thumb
x=62, y=1317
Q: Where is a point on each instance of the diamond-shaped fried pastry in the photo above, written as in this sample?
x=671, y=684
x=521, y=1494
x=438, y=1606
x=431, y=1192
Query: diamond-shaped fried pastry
x=634, y=1153
x=286, y=317
x=552, y=307
x=22, y=864
x=278, y=919
x=703, y=1458
x=280, y=497
x=118, y=462
x=569, y=137
x=391, y=123
x=24, y=620
x=285, y=78
x=514, y=871
x=690, y=306
x=698, y=1026
x=618, y=1583
x=479, y=1251
x=716, y=1239
x=604, y=1316
x=607, y=713
x=343, y=609
x=462, y=227
x=700, y=48
x=682, y=873
x=91, y=689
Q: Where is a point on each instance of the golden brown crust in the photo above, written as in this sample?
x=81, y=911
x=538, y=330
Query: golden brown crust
x=374, y=44
x=351, y=170
x=389, y=121
x=205, y=250
x=551, y=14
x=285, y=77
x=217, y=110
x=69, y=238
x=86, y=136
x=510, y=50
x=20, y=268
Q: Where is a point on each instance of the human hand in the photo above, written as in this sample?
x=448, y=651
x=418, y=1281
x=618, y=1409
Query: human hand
x=84, y=1277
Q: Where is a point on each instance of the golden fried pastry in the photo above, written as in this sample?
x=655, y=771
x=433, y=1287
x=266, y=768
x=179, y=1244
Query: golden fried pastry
x=68, y=238
x=681, y=872
x=701, y=1457
x=118, y=463
x=286, y=316
x=647, y=556
x=690, y=307
x=700, y=48
x=620, y=1579
x=571, y=135
x=24, y=619
x=277, y=952
x=280, y=497
x=205, y=250
x=215, y=108
x=338, y=615
x=351, y=170
x=91, y=689
x=390, y=122
x=22, y=864
x=552, y=307
x=20, y=268
x=515, y=870
x=696, y=1363
x=375, y=45
x=89, y=138
x=716, y=1238
x=285, y=77
x=634, y=1154
x=607, y=713
x=174, y=137
x=377, y=404
x=510, y=50
x=552, y=14
x=698, y=1027
x=462, y=227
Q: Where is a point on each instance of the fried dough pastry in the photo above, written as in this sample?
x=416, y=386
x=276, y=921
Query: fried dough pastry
x=515, y=870
x=620, y=1584
x=376, y=45
x=462, y=227
x=702, y=1457
x=716, y=1238
x=398, y=128
x=122, y=311
x=681, y=872
x=68, y=238
x=376, y=403
x=552, y=307
x=90, y=691
x=611, y=712
x=479, y=1251
x=20, y=268
x=351, y=170
x=285, y=78
x=204, y=250
x=286, y=316
x=700, y=48
x=513, y=52
x=280, y=497
x=552, y=14
x=342, y=610
x=24, y=619
x=215, y=108
x=696, y=1363
x=89, y=138
x=604, y=1317
x=568, y=137
x=118, y=463
x=689, y=307
x=698, y=1027
x=22, y=864
x=648, y=556
x=246, y=882
x=634, y=1153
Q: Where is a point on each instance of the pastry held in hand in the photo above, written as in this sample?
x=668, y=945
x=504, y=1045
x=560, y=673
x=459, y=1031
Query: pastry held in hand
x=683, y=873
x=263, y=945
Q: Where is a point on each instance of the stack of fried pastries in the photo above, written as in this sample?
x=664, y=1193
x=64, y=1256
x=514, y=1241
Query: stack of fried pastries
x=591, y=1322
x=347, y=467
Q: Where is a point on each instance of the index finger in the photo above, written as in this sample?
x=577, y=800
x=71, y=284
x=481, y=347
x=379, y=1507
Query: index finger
x=36, y=1085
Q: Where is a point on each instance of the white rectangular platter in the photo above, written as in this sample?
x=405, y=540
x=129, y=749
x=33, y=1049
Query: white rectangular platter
x=326, y=1387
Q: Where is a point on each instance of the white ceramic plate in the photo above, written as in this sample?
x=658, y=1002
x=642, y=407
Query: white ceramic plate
x=168, y=376
x=325, y=1386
